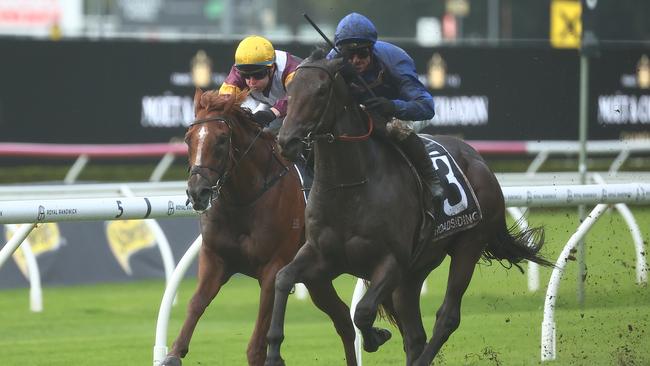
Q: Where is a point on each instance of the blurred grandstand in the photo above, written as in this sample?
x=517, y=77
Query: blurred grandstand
x=416, y=21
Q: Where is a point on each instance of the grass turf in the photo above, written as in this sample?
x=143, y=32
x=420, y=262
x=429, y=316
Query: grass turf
x=114, y=324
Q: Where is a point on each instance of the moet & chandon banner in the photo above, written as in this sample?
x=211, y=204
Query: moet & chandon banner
x=138, y=92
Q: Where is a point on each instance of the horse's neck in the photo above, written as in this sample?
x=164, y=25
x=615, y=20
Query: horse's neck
x=344, y=162
x=252, y=165
x=339, y=162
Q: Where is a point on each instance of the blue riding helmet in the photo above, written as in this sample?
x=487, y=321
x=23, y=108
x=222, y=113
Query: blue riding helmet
x=355, y=28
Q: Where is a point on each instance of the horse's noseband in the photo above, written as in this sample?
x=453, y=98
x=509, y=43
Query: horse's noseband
x=232, y=168
x=198, y=169
x=310, y=138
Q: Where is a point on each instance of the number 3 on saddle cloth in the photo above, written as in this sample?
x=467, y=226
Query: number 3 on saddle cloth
x=460, y=209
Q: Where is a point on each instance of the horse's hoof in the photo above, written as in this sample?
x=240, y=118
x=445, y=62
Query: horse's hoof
x=171, y=361
x=378, y=336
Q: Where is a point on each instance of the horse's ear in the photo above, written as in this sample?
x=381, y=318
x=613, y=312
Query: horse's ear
x=341, y=86
x=198, y=92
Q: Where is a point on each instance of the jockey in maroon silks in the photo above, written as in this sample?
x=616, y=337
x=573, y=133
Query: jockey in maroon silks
x=265, y=73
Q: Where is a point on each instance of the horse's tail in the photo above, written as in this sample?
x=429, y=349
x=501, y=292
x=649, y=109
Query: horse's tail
x=514, y=245
x=387, y=313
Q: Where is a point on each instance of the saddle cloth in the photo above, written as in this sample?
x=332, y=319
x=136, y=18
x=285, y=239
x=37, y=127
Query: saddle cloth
x=460, y=209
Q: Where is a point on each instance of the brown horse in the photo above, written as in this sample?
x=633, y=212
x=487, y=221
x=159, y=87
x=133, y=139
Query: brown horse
x=252, y=219
x=364, y=214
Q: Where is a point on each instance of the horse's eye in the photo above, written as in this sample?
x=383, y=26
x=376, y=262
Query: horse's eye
x=222, y=139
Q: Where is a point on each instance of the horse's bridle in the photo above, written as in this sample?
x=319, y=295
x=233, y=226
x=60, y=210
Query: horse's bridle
x=329, y=136
x=228, y=166
x=231, y=168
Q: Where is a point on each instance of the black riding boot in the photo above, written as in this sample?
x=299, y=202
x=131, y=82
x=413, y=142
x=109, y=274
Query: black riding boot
x=415, y=150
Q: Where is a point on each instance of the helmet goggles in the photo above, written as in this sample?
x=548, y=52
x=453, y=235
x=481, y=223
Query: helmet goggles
x=359, y=49
x=257, y=75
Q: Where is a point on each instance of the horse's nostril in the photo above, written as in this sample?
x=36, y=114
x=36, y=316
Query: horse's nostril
x=198, y=193
x=200, y=198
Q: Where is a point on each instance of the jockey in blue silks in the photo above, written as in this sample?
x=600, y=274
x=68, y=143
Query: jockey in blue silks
x=399, y=95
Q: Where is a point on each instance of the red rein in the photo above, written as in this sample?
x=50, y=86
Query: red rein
x=371, y=126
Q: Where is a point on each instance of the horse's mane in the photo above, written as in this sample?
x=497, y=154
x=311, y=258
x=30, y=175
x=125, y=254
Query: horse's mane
x=230, y=105
x=319, y=53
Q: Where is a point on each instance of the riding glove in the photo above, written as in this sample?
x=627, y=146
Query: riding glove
x=264, y=117
x=381, y=105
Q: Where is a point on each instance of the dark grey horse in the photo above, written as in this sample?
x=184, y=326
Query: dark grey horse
x=364, y=215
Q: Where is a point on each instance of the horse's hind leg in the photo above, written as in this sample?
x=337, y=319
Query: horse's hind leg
x=256, y=351
x=306, y=260
x=384, y=280
x=463, y=261
x=326, y=299
x=210, y=279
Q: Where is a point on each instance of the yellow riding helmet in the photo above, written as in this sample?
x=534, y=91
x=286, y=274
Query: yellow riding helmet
x=254, y=51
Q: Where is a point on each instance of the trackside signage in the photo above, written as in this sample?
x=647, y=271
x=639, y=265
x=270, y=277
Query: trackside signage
x=470, y=110
x=453, y=107
x=620, y=109
x=139, y=92
x=623, y=93
x=91, y=252
x=166, y=111
x=501, y=93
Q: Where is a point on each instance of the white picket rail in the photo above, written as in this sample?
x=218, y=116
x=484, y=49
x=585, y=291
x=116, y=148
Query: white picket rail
x=35, y=211
x=56, y=191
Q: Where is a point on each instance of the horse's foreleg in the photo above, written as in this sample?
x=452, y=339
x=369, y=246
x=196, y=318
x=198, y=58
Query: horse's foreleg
x=327, y=300
x=406, y=304
x=256, y=351
x=384, y=280
x=284, y=281
x=210, y=279
x=463, y=262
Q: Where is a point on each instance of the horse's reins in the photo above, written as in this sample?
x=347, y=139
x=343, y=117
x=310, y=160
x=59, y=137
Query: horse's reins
x=329, y=137
x=267, y=183
x=216, y=189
